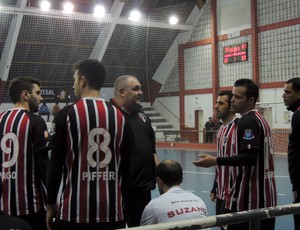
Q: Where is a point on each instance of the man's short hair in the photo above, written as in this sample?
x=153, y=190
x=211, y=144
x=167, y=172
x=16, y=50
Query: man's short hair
x=19, y=84
x=251, y=88
x=170, y=172
x=227, y=93
x=121, y=82
x=295, y=83
x=93, y=71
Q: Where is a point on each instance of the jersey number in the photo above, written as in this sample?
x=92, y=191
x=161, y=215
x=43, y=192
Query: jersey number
x=7, y=149
x=94, y=146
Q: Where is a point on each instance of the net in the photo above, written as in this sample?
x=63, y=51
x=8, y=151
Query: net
x=181, y=67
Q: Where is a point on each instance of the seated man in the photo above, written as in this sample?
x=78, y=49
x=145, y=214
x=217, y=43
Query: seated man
x=44, y=110
x=174, y=203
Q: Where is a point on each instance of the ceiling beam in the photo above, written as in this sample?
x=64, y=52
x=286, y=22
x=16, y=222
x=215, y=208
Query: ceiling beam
x=11, y=41
x=104, y=36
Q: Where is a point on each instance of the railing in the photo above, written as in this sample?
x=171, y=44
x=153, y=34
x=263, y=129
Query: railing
x=166, y=108
x=253, y=216
x=187, y=136
x=280, y=137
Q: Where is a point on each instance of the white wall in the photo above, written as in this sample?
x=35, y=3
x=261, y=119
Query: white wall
x=233, y=15
x=107, y=93
x=273, y=98
x=197, y=102
x=172, y=111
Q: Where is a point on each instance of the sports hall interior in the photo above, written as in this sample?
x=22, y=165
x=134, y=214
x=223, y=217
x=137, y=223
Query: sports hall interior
x=182, y=51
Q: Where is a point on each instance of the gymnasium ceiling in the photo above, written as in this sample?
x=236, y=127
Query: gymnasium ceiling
x=46, y=48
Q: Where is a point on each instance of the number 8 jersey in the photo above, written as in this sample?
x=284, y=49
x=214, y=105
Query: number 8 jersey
x=91, y=146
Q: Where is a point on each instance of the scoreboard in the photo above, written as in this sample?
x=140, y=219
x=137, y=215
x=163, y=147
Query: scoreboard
x=235, y=53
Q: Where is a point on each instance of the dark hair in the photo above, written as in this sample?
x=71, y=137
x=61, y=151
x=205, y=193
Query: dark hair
x=295, y=83
x=93, y=71
x=19, y=84
x=251, y=88
x=170, y=172
x=227, y=93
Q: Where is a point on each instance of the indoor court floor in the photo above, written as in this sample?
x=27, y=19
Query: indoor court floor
x=199, y=181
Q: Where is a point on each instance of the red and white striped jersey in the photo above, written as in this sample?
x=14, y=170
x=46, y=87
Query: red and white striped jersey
x=90, y=134
x=226, y=147
x=255, y=185
x=23, y=136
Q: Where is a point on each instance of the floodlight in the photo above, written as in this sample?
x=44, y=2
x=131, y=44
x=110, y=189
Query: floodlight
x=135, y=15
x=173, y=20
x=45, y=5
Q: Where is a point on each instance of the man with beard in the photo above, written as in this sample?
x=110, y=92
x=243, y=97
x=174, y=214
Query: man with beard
x=225, y=175
x=255, y=185
x=127, y=94
x=291, y=98
x=23, y=154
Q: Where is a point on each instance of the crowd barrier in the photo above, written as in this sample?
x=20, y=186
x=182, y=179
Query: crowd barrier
x=253, y=216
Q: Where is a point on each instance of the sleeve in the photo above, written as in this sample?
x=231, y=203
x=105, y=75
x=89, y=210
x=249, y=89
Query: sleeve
x=245, y=158
x=214, y=187
x=249, y=136
x=40, y=141
x=148, y=216
x=295, y=123
x=58, y=155
x=127, y=149
x=153, y=138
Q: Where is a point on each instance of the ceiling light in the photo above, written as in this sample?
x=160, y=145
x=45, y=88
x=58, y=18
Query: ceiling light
x=173, y=20
x=45, y=5
x=99, y=11
x=68, y=8
x=135, y=15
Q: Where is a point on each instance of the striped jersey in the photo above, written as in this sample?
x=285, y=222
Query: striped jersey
x=23, y=140
x=90, y=137
x=226, y=147
x=255, y=185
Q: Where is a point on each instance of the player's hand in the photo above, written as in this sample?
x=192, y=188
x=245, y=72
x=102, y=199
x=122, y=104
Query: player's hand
x=213, y=197
x=205, y=161
x=51, y=214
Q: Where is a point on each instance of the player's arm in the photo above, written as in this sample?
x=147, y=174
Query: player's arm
x=40, y=137
x=213, y=192
x=249, y=148
x=245, y=158
x=296, y=125
x=55, y=168
x=250, y=137
x=127, y=150
x=156, y=159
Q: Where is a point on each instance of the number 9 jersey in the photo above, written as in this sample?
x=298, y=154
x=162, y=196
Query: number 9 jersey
x=23, y=162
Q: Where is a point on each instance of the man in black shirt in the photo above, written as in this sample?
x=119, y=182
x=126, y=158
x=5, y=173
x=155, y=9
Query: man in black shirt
x=209, y=130
x=127, y=93
x=291, y=98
